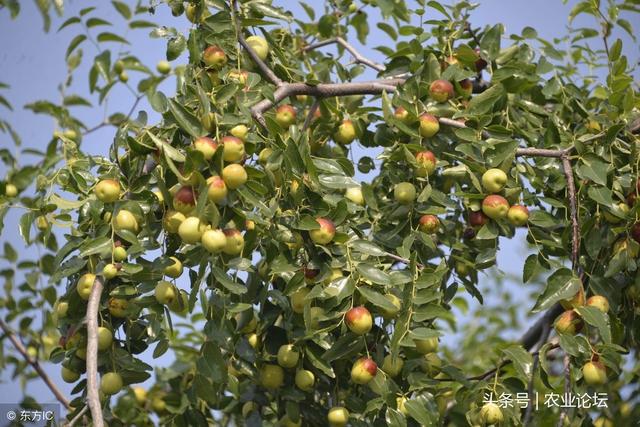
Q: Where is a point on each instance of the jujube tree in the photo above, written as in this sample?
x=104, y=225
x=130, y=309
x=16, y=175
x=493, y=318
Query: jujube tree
x=233, y=233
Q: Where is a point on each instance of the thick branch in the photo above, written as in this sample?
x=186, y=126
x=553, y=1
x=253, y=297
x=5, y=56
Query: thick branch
x=34, y=363
x=325, y=90
x=93, y=396
x=573, y=207
x=359, y=58
x=533, y=334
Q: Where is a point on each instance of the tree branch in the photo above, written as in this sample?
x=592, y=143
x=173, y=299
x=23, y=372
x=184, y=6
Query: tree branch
x=323, y=90
x=268, y=73
x=34, y=364
x=310, y=114
x=536, y=363
x=77, y=418
x=359, y=58
x=567, y=387
x=573, y=207
x=93, y=397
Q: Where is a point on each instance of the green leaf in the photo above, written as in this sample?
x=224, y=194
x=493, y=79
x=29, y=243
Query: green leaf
x=423, y=410
x=211, y=364
x=376, y=298
x=485, y=102
x=596, y=318
x=75, y=43
x=122, y=9
x=562, y=284
x=373, y=274
x=231, y=285
x=68, y=22
x=187, y=121
x=313, y=355
x=601, y=195
x=521, y=359
x=367, y=247
x=167, y=148
x=110, y=37
x=94, y=22
x=175, y=46
x=101, y=245
x=344, y=346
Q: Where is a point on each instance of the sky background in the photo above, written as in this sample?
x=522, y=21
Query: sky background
x=33, y=65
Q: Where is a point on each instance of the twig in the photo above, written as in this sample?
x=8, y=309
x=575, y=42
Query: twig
x=310, y=114
x=34, y=364
x=268, y=73
x=77, y=418
x=359, y=58
x=93, y=396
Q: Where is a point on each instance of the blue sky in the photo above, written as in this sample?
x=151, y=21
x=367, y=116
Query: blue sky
x=33, y=65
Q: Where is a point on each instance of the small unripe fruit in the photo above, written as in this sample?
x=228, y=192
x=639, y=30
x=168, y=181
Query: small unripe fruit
x=263, y=157
x=429, y=224
x=599, y=302
x=427, y=345
x=165, y=292
x=271, y=377
x=107, y=190
x=491, y=414
x=163, y=67
x=355, y=195
x=254, y=340
x=569, y=322
x=172, y=220
x=325, y=233
x=259, y=46
x=392, y=366
x=105, y=338
x=123, y=77
x=214, y=241
x=42, y=223
x=68, y=375
x=117, y=307
x=214, y=57
x=426, y=163
x=175, y=269
x=594, y=373
x=239, y=131
x=109, y=271
x=495, y=206
x=429, y=125
x=576, y=301
x=234, y=242
x=10, y=190
x=233, y=149
x=346, y=133
x=297, y=300
x=125, y=220
x=119, y=254
x=315, y=313
x=518, y=215
x=84, y=285
x=140, y=395
x=431, y=364
x=404, y=193
x=305, y=380
x=494, y=180
x=388, y=314
x=207, y=146
x=363, y=371
x=217, y=190
x=441, y=90
x=338, y=416
x=238, y=76
x=285, y=116
x=111, y=383
x=61, y=308
x=234, y=176
x=359, y=320
x=191, y=229
x=184, y=201
x=288, y=356
x=401, y=114
x=118, y=66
